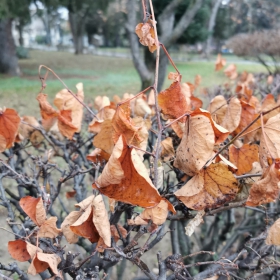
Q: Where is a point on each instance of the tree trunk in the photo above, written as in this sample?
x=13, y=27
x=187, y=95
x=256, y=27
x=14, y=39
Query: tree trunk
x=170, y=35
x=211, y=26
x=77, y=30
x=8, y=58
x=19, y=27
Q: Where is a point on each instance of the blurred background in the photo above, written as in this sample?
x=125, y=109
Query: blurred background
x=92, y=41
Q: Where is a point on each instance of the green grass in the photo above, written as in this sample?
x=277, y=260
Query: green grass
x=100, y=76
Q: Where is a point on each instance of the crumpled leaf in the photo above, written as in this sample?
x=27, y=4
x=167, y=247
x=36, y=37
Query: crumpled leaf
x=26, y=130
x=103, y=140
x=273, y=237
x=21, y=250
x=146, y=34
x=265, y=190
x=173, y=102
x=65, y=125
x=167, y=151
x=232, y=116
x=90, y=222
x=100, y=102
x=267, y=104
x=42, y=261
x=48, y=228
x=220, y=62
x=197, y=145
x=34, y=208
x=124, y=125
x=66, y=101
x=9, y=125
x=244, y=157
x=270, y=147
x=125, y=178
x=194, y=223
x=217, y=108
x=98, y=155
x=231, y=72
x=157, y=214
x=70, y=236
x=48, y=113
x=211, y=187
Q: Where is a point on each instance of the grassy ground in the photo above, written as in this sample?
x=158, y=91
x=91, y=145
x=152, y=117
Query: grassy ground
x=100, y=75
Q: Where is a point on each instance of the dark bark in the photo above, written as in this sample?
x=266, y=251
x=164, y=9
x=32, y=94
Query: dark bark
x=8, y=58
x=77, y=29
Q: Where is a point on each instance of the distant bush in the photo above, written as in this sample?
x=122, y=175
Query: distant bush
x=22, y=53
x=40, y=39
x=259, y=45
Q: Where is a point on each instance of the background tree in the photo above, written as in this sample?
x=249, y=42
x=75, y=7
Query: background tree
x=9, y=11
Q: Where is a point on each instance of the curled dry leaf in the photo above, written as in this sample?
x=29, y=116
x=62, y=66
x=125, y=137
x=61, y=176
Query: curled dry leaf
x=9, y=125
x=196, y=103
x=65, y=125
x=157, y=214
x=141, y=107
x=66, y=101
x=21, y=250
x=70, y=236
x=42, y=261
x=197, y=145
x=173, y=102
x=244, y=157
x=270, y=144
x=167, y=151
x=125, y=178
x=48, y=228
x=231, y=72
x=101, y=102
x=146, y=34
x=48, y=113
x=267, y=104
x=273, y=237
x=124, y=125
x=265, y=190
x=98, y=155
x=194, y=223
x=174, y=77
x=232, y=116
x=28, y=127
x=211, y=187
x=220, y=63
x=217, y=108
x=34, y=208
x=103, y=140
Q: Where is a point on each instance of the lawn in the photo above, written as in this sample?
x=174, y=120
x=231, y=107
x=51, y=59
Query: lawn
x=100, y=76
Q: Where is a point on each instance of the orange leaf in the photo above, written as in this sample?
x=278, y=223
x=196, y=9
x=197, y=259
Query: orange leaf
x=42, y=261
x=124, y=125
x=146, y=34
x=48, y=228
x=18, y=250
x=273, y=237
x=65, y=125
x=220, y=63
x=48, y=113
x=70, y=194
x=125, y=178
x=197, y=145
x=270, y=145
x=104, y=139
x=231, y=72
x=265, y=190
x=173, y=102
x=98, y=155
x=34, y=208
x=66, y=101
x=196, y=103
x=9, y=125
x=267, y=104
x=244, y=157
x=210, y=188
